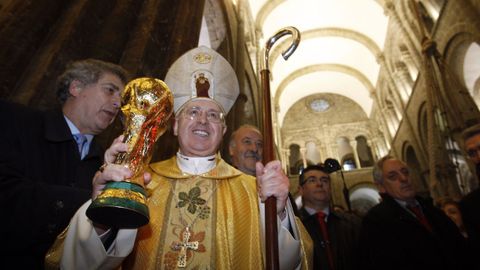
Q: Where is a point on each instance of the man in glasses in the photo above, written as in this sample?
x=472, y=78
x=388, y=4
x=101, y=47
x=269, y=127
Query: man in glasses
x=470, y=204
x=405, y=231
x=335, y=234
x=204, y=214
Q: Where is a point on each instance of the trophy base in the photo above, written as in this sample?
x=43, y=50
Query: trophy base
x=120, y=205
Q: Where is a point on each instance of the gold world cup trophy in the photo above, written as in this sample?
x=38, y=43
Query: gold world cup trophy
x=147, y=105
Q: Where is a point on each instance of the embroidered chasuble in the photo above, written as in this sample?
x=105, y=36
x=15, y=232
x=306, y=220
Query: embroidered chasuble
x=220, y=210
x=208, y=221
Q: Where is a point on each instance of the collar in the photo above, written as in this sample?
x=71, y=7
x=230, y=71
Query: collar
x=170, y=169
x=74, y=130
x=404, y=203
x=312, y=211
x=195, y=165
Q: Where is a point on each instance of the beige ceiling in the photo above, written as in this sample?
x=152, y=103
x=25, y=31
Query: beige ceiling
x=341, y=40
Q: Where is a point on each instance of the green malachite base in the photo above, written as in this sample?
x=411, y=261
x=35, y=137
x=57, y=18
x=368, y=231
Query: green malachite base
x=120, y=205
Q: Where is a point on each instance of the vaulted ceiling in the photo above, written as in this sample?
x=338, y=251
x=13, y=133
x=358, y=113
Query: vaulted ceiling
x=341, y=41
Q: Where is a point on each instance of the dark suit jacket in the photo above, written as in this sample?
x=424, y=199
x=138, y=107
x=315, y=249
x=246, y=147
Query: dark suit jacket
x=392, y=238
x=343, y=232
x=42, y=182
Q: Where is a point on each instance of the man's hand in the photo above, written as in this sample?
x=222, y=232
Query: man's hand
x=113, y=172
x=271, y=181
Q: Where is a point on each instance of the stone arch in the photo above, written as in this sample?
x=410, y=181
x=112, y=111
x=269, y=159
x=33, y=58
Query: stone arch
x=455, y=52
x=463, y=99
x=328, y=32
x=322, y=67
x=265, y=11
x=363, y=197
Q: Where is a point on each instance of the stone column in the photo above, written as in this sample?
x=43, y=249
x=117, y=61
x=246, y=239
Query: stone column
x=373, y=146
x=303, y=150
x=353, y=144
x=286, y=160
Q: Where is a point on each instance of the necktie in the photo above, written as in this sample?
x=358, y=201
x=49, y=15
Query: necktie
x=81, y=143
x=420, y=216
x=326, y=241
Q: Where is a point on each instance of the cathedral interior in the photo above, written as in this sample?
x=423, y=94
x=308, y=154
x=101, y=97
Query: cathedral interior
x=369, y=77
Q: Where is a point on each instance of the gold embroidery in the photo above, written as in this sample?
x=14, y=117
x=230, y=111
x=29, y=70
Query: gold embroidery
x=190, y=205
x=202, y=58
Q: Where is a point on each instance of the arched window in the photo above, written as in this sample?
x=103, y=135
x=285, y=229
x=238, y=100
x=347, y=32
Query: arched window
x=312, y=153
x=407, y=58
x=294, y=158
x=471, y=71
x=348, y=162
x=364, y=152
x=363, y=198
x=403, y=80
x=345, y=151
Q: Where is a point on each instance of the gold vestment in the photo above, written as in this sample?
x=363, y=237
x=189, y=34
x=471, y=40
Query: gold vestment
x=221, y=209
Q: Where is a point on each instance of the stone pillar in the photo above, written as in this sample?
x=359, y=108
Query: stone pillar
x=353, y=144
x=303, y=151
x=374, y=147
x=286, y=160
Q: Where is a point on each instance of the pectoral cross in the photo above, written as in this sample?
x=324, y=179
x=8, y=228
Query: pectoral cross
x=183, y=246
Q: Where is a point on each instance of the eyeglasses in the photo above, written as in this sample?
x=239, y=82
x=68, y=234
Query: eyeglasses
x=313, y=179
x=319, y=167
x=195, y=113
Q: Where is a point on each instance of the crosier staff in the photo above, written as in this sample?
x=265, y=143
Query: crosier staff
x=271, y=231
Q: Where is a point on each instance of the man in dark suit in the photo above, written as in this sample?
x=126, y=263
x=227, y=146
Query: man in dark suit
x=335, y=234
x=470, y=204
x=48, y=159
x=405, y=231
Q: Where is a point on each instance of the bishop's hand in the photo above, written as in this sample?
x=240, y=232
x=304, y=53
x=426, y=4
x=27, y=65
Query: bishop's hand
x=272, y=181
x=113, y=172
